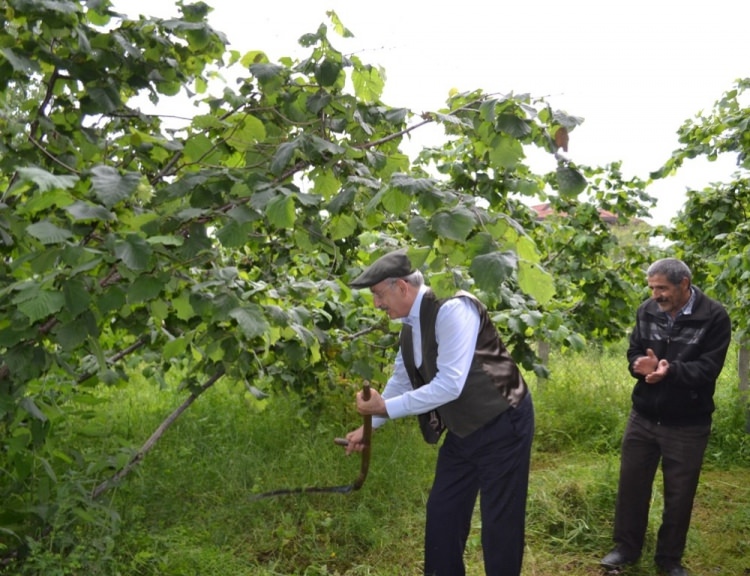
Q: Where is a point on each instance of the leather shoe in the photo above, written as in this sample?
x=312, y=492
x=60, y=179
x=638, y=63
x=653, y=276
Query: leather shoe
x=617, y=559
x=675, y=570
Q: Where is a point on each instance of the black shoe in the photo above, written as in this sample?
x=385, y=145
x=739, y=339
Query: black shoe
x=617, y=559
x=673, y=570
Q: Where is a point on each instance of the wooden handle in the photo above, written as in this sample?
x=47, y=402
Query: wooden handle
x=366, y=438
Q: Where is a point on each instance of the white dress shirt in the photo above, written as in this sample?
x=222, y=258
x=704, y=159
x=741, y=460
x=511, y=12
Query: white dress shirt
x=456, y=330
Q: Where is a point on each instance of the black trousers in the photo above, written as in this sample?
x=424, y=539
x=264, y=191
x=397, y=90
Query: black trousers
x=494, y=463
x=680, y=450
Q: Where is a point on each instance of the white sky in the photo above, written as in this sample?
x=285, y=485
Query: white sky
x=635, y=70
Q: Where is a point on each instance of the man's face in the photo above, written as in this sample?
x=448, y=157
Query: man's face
x=670, y=297
x=390, y=295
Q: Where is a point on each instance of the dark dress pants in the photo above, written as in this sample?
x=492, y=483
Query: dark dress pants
x=493, y=462
x=681, y=450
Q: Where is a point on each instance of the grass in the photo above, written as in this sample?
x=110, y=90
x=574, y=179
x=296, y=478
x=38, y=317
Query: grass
x=188, y=509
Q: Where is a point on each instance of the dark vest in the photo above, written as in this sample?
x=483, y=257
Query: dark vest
x=494, y=382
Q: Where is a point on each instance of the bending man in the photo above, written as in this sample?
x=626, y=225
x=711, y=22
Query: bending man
x=453, y=372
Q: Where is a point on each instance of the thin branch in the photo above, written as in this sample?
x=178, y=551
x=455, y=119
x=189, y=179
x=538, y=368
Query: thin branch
x=52, y=157
x=158, y=433
x=116, y=357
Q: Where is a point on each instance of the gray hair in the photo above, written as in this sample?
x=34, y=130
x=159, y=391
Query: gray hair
x=415, y=279
x=673, y=269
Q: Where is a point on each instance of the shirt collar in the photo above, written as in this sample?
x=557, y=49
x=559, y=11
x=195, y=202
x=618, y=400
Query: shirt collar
x=413, y=318
x=687, y=309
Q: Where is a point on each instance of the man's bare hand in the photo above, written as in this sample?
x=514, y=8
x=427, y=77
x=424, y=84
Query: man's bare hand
x=355, y=441
x=645, y=365
x=375, y=406
x=662, y=368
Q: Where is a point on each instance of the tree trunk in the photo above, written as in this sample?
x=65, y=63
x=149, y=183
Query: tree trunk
x=542, y=350
x=743, y=366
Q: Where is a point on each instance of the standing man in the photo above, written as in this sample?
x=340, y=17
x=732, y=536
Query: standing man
x=454, y=373
x=676, y=353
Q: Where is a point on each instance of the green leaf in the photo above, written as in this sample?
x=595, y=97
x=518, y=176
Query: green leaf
x=182, y=307
x=134, y=252
x=110, y=187
x=166, y=240
x=173, y=348
x=327, y=72
x=412, y=185
x=342, y=200
x=233, y=234
x=251, y=321
x=395, y=201
x=505, y=152
x=45, y=180
x=48, y=233
x=144, y=288
x=253, y=57
x=318, y=101
x=527, y=250
x=368, y=83
x=455, y=224
x=282, y=157
x=73, y=334
x=536, y=282
x=326, y=183
x=452, y=119
x=338, y=26
x=491, y=270
x=513, y=125
x=77, y=298
x=280, y=211
x=487, y=110
x=112, y=299
x=21, y=64
x=249, y=132
x=198, y=148
x=102, y=100
x=570, y=182
x=27, y=403
x=265, y=71
x=82, y=211
x=420, y=229
x=43, y=305
x=342, y=226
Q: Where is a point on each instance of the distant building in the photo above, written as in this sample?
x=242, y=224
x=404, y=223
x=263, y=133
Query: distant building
x=545, y=210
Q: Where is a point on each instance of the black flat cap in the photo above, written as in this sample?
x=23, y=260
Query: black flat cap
x=395, y=264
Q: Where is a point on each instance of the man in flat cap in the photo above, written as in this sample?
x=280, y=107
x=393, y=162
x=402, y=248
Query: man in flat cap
x=453, y=372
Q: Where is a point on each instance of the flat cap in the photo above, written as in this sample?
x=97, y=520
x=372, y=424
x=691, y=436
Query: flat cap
x=395, y=264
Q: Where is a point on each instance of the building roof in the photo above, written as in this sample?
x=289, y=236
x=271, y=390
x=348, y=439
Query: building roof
x=545, y=210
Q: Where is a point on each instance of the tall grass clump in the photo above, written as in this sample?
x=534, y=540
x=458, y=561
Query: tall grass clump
x=584, y=403
x=729, y=444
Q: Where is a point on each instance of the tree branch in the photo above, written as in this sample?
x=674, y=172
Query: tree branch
x=158, y=433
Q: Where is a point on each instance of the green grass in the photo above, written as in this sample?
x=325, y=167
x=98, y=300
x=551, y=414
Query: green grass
x=187, y=509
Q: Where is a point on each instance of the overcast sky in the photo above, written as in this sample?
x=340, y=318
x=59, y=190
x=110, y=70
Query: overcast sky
x=634, y=70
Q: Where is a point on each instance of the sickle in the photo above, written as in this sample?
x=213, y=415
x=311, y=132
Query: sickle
x=366, y=440
x=363, y=468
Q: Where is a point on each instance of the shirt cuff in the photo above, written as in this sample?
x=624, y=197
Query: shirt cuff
x=395, y=407
x=378, y=421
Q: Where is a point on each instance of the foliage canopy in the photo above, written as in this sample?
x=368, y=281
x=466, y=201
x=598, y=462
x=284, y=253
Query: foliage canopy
x=220, y=246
